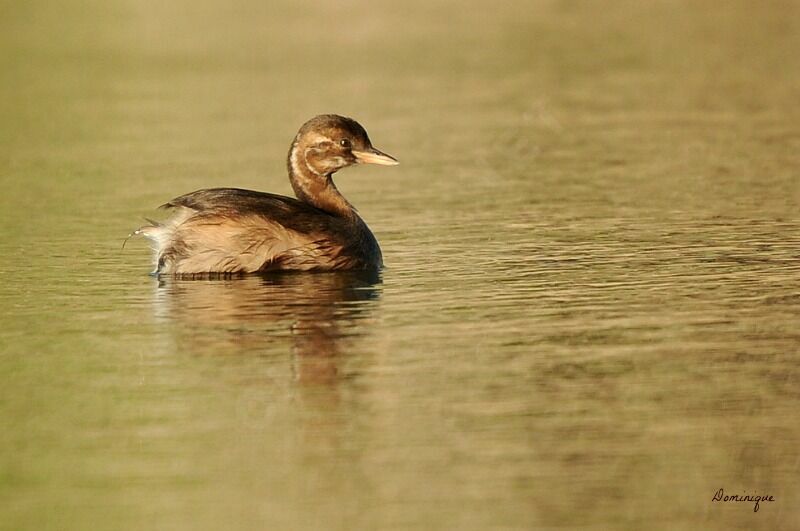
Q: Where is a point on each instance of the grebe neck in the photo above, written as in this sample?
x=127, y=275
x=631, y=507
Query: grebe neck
x=315, y=188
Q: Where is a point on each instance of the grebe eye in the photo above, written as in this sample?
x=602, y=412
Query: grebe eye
x=345, y=142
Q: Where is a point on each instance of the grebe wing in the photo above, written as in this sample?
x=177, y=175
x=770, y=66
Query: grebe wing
x=228, y=230
x=288, y=211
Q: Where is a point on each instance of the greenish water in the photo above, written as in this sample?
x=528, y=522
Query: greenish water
x=589, y=318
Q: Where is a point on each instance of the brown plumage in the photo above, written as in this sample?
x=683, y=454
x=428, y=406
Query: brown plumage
x=229, y=230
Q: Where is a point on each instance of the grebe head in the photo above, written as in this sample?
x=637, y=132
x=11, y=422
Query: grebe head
x=328, y=142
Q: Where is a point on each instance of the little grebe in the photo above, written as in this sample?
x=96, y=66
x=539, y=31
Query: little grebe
x=230, y=230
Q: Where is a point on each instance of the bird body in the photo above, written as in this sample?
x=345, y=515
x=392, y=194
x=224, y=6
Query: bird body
x=230, y=230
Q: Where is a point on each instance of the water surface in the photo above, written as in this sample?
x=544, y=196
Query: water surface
x=589, y=314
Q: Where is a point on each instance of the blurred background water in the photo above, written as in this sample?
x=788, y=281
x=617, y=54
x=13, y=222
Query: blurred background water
x=589, y=316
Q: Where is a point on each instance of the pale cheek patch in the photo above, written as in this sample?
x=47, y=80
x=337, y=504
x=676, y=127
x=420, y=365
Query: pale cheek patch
x=337, y=162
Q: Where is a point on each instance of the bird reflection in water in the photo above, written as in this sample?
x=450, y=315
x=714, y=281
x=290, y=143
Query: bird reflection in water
x=319, y=311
